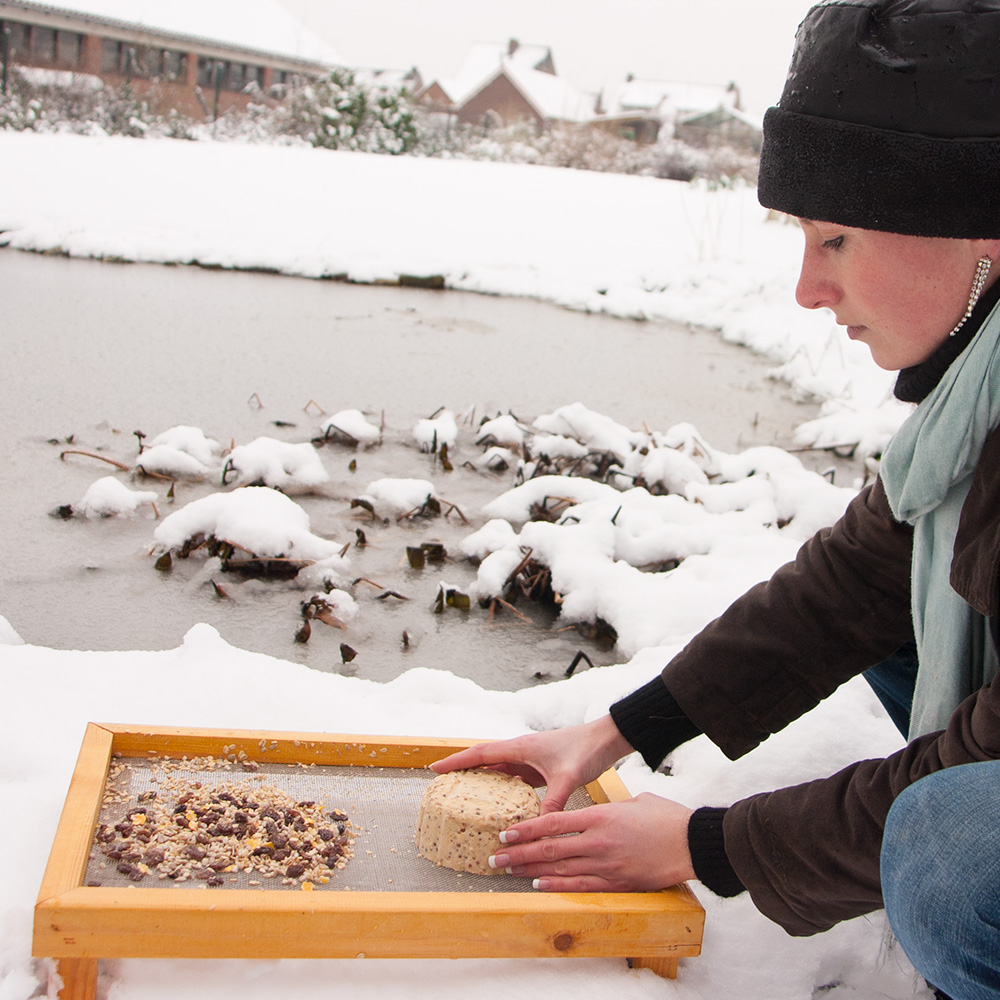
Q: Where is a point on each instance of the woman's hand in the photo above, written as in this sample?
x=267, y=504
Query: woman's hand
x=636, y=845
x=561, y=759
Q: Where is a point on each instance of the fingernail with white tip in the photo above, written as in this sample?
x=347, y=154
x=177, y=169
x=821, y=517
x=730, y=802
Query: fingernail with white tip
x=498, y=860
x=540, y=883
x=509, y=836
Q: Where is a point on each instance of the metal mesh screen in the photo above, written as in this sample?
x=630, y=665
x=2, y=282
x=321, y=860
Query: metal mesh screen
x=382, y=804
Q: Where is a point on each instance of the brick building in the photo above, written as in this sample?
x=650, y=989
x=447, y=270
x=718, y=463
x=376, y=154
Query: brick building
x=507, y=83
x=197, y=75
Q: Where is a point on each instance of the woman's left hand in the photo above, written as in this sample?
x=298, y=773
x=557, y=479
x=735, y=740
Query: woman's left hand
x=637, y=845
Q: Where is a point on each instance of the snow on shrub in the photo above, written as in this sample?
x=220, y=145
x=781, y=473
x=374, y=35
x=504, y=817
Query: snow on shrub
x=108, y=497
x=400, y=496
x=354, y=425
x=279, y=464
x=432, y=432
x=256, y=519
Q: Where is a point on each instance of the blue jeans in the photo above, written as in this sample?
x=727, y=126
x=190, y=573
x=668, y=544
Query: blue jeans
x=893, y=681
x=940, y=863
x=940, y=869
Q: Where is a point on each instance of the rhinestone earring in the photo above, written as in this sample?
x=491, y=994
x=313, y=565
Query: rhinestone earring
x=982, y=271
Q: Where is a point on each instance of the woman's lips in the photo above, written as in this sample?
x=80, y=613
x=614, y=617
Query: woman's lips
x=854, y=332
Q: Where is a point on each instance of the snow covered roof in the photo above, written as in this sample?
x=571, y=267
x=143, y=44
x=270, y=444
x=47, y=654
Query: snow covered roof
x=554, y=98
x=530, y=69
x=730, y=112
x=484, y=59
x=263, y=25
x=656, y=96
x=395, y=79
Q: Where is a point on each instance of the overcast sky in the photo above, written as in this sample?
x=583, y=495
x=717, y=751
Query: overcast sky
x=594, y=43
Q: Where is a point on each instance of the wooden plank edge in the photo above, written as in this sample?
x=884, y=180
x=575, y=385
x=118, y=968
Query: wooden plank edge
x=75, y=830
x=407, y=926
x=269, y=746
x=608, y=787
x=263, y=902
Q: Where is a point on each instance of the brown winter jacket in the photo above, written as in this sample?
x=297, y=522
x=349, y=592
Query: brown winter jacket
x=809, y=854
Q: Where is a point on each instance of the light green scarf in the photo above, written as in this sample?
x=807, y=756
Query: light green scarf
x=927, y=471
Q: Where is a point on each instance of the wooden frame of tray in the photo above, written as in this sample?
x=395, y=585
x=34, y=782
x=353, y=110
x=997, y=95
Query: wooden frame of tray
x=77, y=925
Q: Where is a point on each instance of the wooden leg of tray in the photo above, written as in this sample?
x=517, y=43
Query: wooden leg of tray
x=79, y=976
x=665, y=967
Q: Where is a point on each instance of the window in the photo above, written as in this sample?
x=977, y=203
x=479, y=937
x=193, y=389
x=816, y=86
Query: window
x=17, y=38
x=231, y=75
x=280, y=80
x=206, y=71
x=112, y=55
x=43, y=43
x=142, y=61
x=174, y=65
x=68, y=47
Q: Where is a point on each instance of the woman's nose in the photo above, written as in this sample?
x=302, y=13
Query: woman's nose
x=815, y=289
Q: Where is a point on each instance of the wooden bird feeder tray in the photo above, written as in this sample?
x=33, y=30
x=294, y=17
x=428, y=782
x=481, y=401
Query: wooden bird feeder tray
x=368, y=910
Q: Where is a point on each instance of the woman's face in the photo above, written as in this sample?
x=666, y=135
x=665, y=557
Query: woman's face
x=900, y=295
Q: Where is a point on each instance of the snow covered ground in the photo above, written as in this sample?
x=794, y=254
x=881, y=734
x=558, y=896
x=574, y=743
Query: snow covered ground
x=627, y=246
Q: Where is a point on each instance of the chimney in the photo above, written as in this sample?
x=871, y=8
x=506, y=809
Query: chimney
x=512, y=46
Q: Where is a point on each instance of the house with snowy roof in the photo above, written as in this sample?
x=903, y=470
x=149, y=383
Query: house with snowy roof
x=702, y=114
x=721, y=126
x=409, y=80
x=503, y=84
x=200, y=58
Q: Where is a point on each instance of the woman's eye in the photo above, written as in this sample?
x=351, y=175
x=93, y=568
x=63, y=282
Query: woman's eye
x=833, y=244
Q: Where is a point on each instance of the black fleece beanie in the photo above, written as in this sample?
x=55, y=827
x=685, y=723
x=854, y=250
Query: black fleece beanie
x=890, y=119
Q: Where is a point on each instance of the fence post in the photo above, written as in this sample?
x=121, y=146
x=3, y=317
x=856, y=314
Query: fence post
x=4, y=56
x=218, y=87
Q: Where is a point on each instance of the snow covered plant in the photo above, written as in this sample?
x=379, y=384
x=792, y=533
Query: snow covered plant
x=181, y=452
x=398, y=496
x=293, y=468
x=339, y=111
x=43, y=100
x=253, y=529
x=671, y=514
x=107, y=497
x=351, y=426
x=504, y=431
x=433, y=432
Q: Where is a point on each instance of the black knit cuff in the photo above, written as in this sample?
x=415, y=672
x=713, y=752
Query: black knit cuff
x=813, y=167
x=652, y=722
x=707, y=845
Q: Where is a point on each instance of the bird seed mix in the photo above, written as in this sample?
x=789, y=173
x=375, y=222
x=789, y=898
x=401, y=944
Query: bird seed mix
x=186, y=830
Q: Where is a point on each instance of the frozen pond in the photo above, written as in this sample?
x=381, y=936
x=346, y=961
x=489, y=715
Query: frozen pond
x=93, y=352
